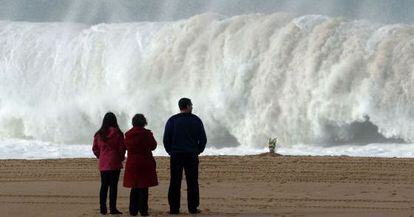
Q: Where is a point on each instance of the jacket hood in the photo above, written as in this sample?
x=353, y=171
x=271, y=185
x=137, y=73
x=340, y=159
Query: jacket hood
x=112, y=132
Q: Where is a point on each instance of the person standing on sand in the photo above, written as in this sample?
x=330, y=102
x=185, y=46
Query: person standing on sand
x=140, y=168
x=108, y=147
x=184, y=139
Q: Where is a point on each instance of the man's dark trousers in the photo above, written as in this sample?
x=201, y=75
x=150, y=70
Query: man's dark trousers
x=188, y=162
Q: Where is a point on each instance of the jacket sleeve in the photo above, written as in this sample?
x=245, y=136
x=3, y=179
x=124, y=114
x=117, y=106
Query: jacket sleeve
x=167, y=138
x=202, y=138
x=122, y=147
x=151, y=141
x=95, y=147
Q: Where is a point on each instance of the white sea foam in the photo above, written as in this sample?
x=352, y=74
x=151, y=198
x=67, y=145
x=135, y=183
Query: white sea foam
x=29, y=149
x=307, y=80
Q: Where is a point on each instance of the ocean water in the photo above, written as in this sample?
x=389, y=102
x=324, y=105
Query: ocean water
x=324, y=85
x=29, y=149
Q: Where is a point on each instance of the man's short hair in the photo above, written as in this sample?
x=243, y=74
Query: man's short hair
x=183, y=103
x=139, y=120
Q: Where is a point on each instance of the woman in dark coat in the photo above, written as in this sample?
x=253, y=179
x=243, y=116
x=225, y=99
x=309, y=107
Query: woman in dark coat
x=140, y=169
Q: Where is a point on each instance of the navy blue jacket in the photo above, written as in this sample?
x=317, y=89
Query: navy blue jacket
x=184, y=133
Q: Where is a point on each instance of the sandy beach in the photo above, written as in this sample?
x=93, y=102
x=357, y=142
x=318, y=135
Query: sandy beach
x=230, y=186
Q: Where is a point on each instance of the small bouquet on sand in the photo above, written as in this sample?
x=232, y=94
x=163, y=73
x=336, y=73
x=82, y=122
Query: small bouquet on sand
x=272, y=142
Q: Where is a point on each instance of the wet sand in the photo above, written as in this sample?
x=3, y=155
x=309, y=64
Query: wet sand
x=229, y=185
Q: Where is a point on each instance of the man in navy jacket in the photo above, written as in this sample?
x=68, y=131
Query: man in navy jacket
x=184, y=139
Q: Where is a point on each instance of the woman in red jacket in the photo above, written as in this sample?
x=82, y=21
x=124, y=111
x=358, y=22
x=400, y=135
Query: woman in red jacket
x=140, y=169
x=109, y=148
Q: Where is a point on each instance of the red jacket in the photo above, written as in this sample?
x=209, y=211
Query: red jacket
x=110, y=153
x=140, y=168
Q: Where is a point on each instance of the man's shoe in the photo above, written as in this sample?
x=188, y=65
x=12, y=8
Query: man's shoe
x=144, y=214
x=174, y=212
x=103, y=210
x=115, y=212
x=196, y=211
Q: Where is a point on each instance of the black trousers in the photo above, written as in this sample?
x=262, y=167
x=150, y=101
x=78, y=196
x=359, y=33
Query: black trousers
x=109, y=179
x=138, y=201
x=188, y=162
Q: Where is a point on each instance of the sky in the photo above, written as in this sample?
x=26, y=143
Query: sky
x=109, y=11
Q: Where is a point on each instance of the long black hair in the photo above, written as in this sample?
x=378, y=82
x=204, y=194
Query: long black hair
x=109, y=120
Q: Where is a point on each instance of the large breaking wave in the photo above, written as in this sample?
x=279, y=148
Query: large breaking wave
x=308, y=80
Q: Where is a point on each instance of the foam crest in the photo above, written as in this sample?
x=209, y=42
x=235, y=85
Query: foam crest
x=307, y=80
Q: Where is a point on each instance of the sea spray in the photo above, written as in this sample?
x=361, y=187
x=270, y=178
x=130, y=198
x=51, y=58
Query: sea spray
x=307, y=80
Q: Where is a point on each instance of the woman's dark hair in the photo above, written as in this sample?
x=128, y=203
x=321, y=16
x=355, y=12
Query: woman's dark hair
x=109, y=120
x=139, y=120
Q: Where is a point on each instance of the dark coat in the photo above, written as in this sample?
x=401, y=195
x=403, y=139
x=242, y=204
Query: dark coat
x=140, y=168
x=184, y=133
